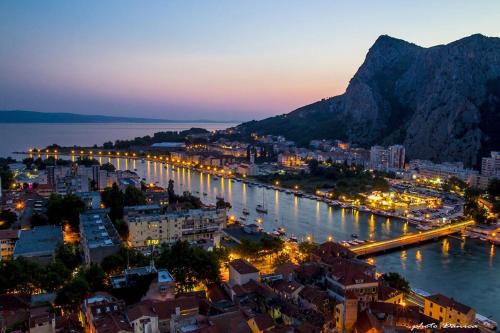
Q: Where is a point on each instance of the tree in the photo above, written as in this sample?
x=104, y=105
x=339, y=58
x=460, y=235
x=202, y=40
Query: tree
x=122, y=228
x=396, y=281
x=54, y=276
x=108, y=167
x=494, y=188
x=7, y=218
x=133, y=196
x=38, y=219
x=171, y=192
x=281, y=259
x=189, y=264
x=222, y=204
x=94, y=275
x=65, y=209
x=454, y=184
x=69, y=255
x=71, y=295
x=20, y=275
x=113, y=199
x=306, y=248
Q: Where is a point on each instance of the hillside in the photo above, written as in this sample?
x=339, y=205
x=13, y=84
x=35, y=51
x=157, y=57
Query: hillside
x=442, y=102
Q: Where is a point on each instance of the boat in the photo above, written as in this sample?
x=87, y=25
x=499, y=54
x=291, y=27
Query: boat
x=354, y=235
x=261, y=208
x=215, y=178
x=275, y=233
x=242, y=218
x=205, y=193
x=293, y=239
x=281, y=231
x=218, y=197
x=245, y=211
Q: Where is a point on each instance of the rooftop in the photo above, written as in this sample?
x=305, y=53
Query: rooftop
x=97, y=229
x=449, y=303
x=41, y=240
x=243, y=267
x=9, y=234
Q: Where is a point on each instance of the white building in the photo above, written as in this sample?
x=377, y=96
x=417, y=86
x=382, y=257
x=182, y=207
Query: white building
x=148, y=225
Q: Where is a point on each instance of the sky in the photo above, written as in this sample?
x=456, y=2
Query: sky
x=220, y=60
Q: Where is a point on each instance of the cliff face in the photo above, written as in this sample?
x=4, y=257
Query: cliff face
x=442, y=103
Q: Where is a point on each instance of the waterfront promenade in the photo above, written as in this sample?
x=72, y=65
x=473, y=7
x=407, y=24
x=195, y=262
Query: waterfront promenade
x=409, y=239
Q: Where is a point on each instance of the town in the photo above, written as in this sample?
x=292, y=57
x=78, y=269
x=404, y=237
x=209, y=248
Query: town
x=88, y=245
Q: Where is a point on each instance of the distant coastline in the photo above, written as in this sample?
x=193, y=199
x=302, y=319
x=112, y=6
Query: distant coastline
x=26, y=117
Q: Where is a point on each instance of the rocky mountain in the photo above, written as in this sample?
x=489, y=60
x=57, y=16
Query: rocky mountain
x=442, y=102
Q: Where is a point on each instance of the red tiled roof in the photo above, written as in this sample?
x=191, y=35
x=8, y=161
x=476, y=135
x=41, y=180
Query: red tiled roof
x=385, y=292
x=243, y=267
x=264, y=321
x=286, y=287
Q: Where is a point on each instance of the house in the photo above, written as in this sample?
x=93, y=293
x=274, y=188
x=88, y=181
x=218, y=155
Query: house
x=261, y=323
x=287, y=290
x=8, y=240
x=241, y=271
x=389, y=295
x=155, y=316
x=448, y=310
x=105, y=314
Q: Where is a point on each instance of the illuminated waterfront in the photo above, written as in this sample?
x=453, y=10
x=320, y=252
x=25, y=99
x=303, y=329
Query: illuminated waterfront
x=447, y=266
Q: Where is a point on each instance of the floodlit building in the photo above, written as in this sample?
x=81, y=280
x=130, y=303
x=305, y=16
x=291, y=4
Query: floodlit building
x=149, y=226
x=8, y=240
x=448, y=310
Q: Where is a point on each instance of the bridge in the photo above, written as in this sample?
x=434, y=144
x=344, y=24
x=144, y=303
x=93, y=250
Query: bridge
x=409, y=239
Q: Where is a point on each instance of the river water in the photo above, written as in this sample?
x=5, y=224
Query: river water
x=468, y=271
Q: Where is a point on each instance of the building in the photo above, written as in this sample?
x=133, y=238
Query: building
x=241, y=271
x=396, y=157
x=105, y=314
x=148, y=225
x=440, y=172
x=39, y=244
x=390, y=158
x=379, y=158
x=490, y=169
x=92, y=200
x=8, y=240
x=448, y=310
x=98, y=236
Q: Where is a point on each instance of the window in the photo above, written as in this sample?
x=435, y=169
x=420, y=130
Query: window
x=440, y=309
x=432, y=305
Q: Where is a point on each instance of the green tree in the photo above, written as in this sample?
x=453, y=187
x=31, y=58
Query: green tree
x=54, y=276
x=108, y=167
x=222, y=204
x=71, y=295
x=281, y=258
x=133, y=196
x=113, y=199
x=69, y=255
x=189, y=264
x=61, y=209
x=396, y=281
x=94, y=275
x=7, y=218
x=38, y=219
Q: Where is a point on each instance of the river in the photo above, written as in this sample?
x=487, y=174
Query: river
x=468, y=271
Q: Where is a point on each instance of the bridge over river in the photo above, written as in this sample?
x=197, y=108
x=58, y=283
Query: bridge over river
x=409, y=239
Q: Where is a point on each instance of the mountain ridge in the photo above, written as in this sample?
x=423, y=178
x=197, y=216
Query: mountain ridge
x=441, y=102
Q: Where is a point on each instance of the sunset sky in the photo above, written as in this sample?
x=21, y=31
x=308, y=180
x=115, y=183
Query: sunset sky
x=236, y=60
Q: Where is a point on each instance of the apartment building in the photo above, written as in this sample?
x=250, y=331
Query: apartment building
x=148, y=225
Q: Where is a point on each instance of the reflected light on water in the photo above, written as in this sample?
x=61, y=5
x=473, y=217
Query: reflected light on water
x=445, y=247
